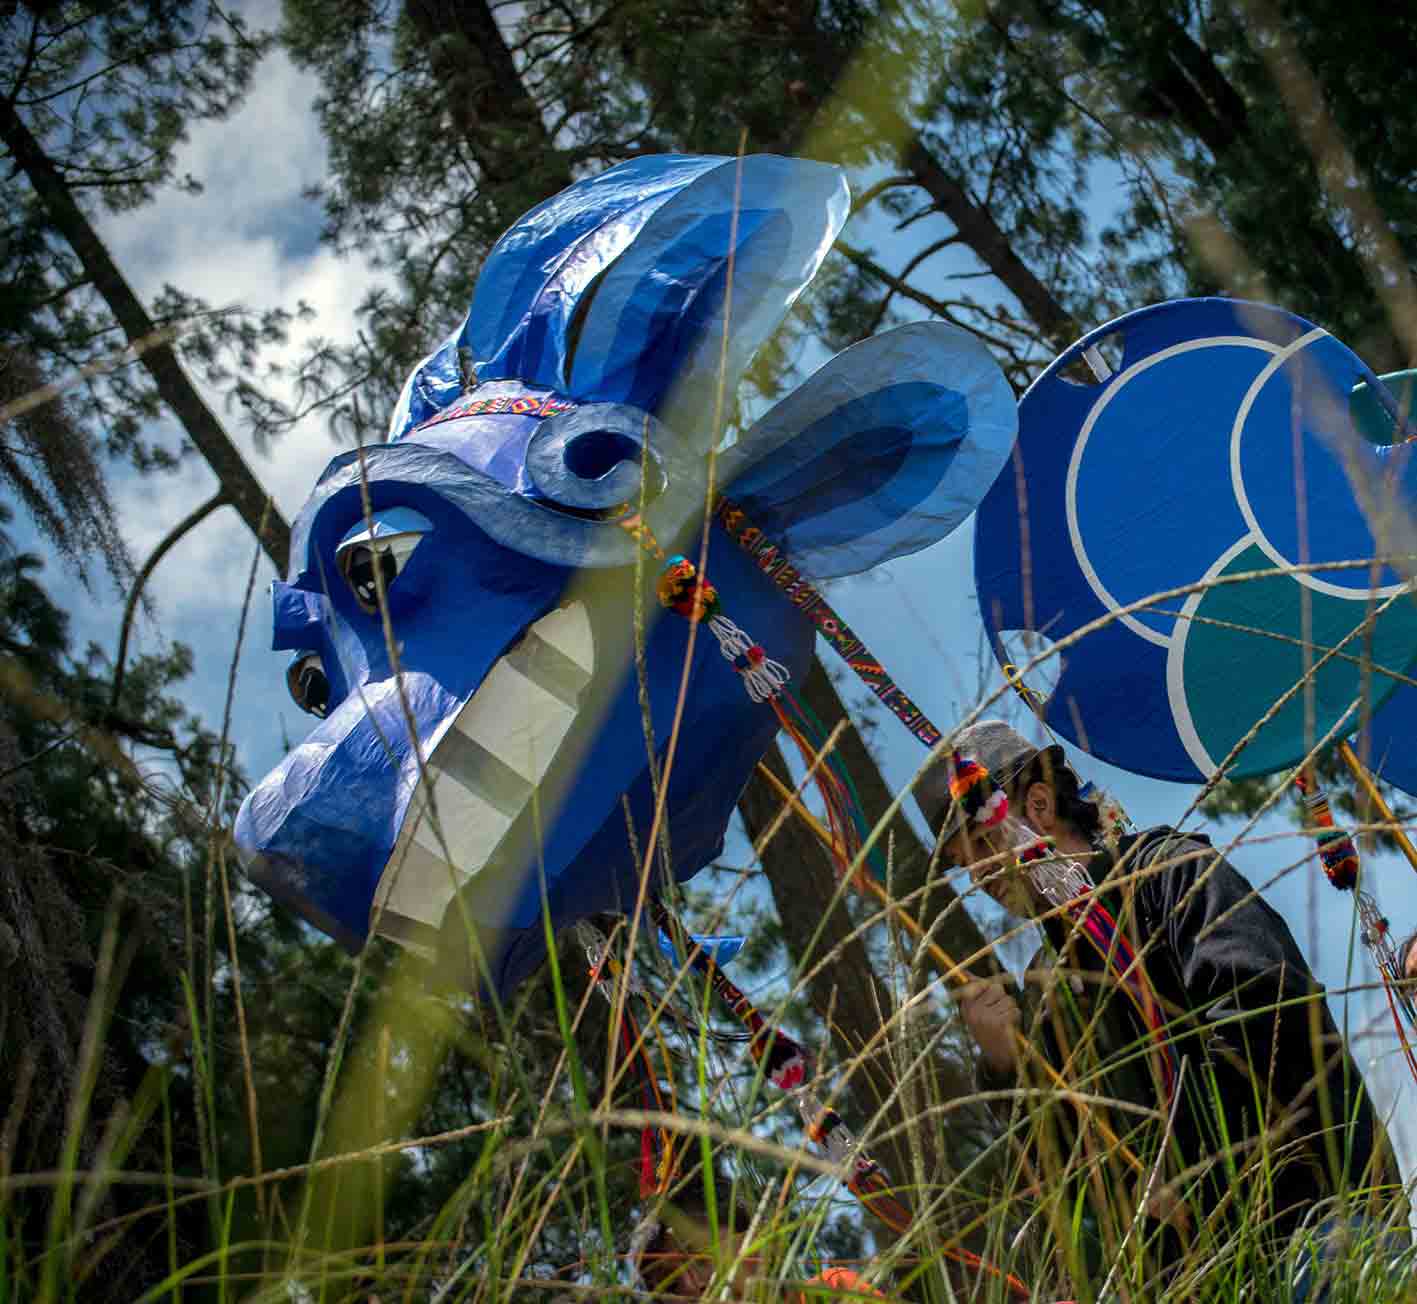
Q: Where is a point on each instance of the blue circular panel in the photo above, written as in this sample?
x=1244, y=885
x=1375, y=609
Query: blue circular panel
x=1222, y=444
x=1144, y=539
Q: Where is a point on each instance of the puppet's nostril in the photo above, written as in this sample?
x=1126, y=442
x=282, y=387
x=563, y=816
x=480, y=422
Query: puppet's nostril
x=595, y=453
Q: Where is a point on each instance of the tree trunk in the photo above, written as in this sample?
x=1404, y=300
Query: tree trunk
x=990, y=243
x=238, y=482
x=847, y=990
x=489, y=105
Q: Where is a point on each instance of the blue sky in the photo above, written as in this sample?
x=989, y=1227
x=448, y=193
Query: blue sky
x=250, y=238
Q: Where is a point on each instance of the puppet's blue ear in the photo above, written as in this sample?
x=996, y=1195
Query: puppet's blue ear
x=704, y=283
x=882, y=452
x=614, y=290
x=536, y=277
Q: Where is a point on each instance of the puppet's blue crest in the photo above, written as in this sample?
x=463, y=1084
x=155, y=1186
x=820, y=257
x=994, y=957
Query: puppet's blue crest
x=1220, y=442
x=582, y=386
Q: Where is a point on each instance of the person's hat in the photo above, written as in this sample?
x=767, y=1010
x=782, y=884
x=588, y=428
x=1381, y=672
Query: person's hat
x=999, y=748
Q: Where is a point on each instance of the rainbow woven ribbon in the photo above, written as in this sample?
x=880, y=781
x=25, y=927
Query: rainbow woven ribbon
x=787, y=1062
x=806, y=597
x=787, y=1065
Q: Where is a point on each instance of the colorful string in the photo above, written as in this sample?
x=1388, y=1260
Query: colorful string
x=657, y=1165
x=787, y=1065
x=1338, y=854
x=805, y=596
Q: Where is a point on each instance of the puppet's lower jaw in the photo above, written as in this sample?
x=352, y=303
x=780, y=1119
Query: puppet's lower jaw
x=482, y=776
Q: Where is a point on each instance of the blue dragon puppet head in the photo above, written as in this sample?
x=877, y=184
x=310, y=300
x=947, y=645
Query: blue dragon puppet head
x=463, y=600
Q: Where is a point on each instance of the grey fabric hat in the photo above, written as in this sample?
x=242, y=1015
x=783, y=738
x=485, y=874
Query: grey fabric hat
x=998, y=747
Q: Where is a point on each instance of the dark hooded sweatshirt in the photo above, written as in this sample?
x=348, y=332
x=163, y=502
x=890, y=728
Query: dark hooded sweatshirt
x=1242, y=1008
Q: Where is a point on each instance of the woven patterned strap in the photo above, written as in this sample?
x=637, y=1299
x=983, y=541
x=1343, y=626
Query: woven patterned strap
x=807, y=598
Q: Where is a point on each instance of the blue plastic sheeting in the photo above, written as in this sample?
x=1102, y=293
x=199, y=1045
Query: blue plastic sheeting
x=936, y=429
x=492, y=759
x=616, y=288
x=721, y=950
x=1221, y=443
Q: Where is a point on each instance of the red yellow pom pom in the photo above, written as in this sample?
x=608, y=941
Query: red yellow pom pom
x=680, y=591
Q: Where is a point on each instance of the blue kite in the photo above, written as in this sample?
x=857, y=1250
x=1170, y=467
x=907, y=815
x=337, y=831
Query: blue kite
x=1206, y=450
x=484, y=755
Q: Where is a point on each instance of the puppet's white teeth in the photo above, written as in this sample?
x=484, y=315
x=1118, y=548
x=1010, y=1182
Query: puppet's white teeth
x=483, y=772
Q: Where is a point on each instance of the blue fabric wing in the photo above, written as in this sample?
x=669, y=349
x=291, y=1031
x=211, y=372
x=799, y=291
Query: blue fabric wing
x=1221, y=444
x=882, y=452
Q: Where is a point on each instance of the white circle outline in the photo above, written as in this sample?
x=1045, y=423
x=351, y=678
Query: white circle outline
x=1176, y=661
x=1308, y=579
x=1074, y=530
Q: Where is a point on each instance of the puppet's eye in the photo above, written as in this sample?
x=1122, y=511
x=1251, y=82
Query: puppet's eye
x=383, y=545
x=308, y=684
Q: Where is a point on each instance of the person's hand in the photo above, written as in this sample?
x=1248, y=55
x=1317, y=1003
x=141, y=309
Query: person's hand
x=992, y=1016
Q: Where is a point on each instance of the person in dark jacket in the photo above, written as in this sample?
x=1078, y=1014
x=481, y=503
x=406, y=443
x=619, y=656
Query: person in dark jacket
x=1270, y=1119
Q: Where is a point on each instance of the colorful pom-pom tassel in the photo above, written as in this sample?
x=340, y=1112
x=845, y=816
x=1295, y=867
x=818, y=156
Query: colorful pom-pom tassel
x=983, y=800
x=1337, y=854
x=680, y=591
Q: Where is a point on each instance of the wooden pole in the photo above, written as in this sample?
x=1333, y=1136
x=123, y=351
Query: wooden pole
x=1369, y=786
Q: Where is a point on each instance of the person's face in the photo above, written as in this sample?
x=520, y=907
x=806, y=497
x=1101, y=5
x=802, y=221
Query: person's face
x=989, y=855
x=1409, y=962
x=992, y=866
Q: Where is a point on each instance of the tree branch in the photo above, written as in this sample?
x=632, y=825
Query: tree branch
x=239, y=484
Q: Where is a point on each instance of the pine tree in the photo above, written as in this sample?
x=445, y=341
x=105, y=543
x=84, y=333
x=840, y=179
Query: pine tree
x=94, y=105
x=105, y=803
